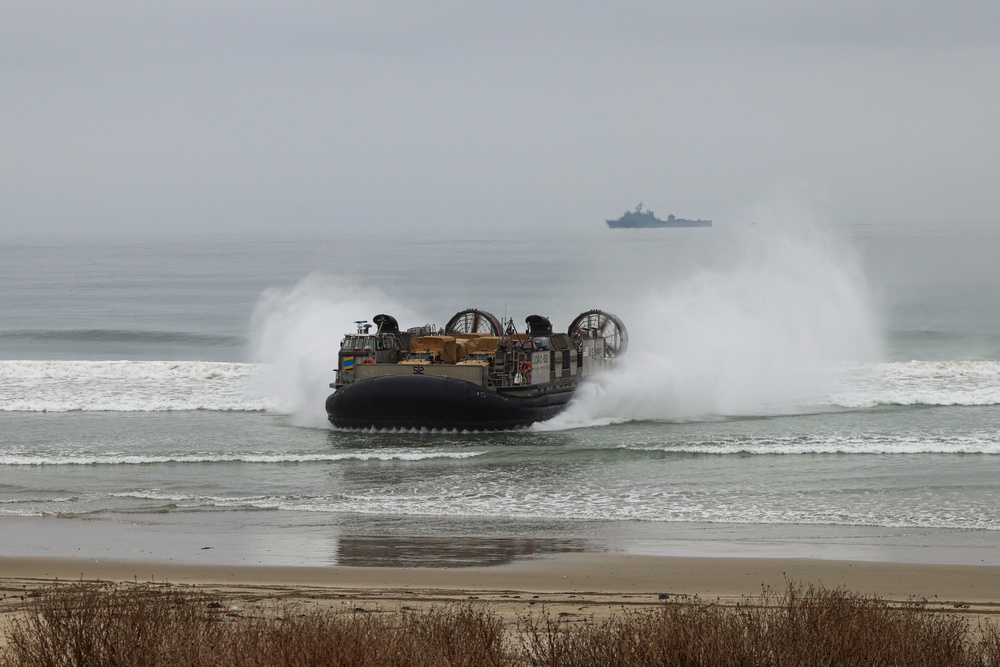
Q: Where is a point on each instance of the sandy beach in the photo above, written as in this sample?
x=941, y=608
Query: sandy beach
x=584, y=586
x=577, y=581
x=604, y=574
x=392, y=570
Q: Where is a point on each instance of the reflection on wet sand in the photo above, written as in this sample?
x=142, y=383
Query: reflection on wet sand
x=416, y=551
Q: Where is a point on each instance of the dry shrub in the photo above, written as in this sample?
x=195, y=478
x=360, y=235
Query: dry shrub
x=109, y=626
x=989, y=646
x=805, y=627
x=137, y=626
x=688, y=633
x=454, y=636
x=112, y=627
x=820, y=627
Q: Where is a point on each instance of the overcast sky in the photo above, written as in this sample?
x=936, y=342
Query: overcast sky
x=217, y=115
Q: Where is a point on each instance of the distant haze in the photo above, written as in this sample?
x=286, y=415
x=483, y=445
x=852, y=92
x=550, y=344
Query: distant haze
x=340, y=116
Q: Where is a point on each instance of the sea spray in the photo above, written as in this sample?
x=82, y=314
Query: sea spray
x=296, y=332
x=762, y=324
x=767, y=334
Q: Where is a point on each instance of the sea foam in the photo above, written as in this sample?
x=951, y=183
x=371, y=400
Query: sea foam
x=129, y=386
x=920, y=383
x=15, y=459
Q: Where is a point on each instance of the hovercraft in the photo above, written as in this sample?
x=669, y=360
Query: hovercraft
x=474, y=374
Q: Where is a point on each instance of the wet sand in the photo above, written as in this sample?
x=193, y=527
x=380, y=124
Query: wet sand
x=610, y=576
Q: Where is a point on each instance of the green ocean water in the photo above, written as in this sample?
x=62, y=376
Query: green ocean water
x=784, y=385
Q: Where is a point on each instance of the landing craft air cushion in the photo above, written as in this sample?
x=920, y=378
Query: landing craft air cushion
x=474, y=374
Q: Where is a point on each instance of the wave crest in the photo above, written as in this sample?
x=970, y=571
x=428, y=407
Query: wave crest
x=921, y=383
x=129, y=386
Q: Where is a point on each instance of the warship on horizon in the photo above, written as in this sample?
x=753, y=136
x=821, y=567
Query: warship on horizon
x=639, y=219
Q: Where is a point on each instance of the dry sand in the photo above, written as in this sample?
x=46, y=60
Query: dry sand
x=574, y=587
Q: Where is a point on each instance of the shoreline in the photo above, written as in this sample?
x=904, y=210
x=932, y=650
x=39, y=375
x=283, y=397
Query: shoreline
x=277, y=538
x=592, y=569
x=590, y=583
x=572, y=573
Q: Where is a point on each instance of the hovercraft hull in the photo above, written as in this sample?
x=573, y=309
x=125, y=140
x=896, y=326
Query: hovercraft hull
x=426, y=401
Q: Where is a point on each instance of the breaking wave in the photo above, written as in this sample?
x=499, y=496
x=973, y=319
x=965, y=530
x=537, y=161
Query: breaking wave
x=125, y=459
x=130, y=386
x=921, y=383
x=151, y=386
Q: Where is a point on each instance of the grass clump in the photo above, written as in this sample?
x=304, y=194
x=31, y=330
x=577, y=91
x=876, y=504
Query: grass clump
x=805, y=627
x=118, y=626
x=108, y=626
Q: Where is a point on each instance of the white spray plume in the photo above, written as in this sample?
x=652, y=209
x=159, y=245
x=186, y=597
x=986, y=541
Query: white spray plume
x=296, y=333
x=768, y=335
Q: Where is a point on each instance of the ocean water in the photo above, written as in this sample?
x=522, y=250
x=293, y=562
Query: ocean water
x=789, y=390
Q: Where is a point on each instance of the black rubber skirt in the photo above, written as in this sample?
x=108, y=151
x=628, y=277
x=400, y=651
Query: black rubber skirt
x=426, y=401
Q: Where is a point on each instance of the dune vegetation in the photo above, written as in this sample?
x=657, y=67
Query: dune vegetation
x=126, y=626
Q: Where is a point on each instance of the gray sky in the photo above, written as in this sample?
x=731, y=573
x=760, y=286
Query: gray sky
x=219, y=115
